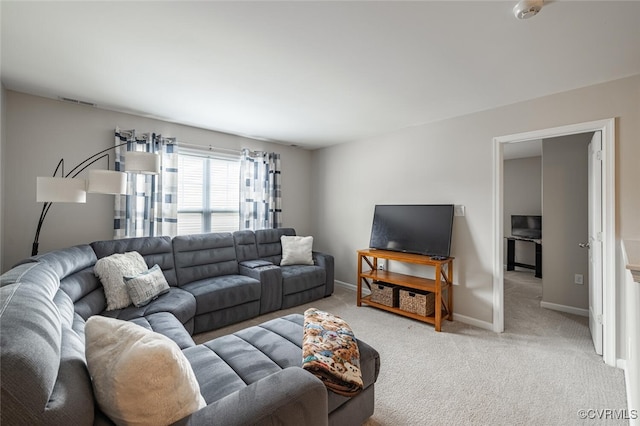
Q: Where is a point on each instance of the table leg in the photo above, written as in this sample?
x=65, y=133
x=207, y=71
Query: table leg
x=538, y=260
x=359, y=293
x=450, y=289
x=511, y=254
x=438, y=301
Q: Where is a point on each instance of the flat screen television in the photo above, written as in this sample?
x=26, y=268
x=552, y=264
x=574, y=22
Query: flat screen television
x=526, y=226
x=422, y=229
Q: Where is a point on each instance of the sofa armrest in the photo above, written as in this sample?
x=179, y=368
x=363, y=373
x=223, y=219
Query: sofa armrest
x=325, y=261
x=270, y=277
x=292, y=396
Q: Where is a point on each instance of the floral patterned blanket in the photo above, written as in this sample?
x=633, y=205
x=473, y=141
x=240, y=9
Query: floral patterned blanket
x=330, y=352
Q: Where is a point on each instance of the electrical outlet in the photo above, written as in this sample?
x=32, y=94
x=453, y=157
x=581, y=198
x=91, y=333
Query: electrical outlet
x=380, y=266
x=578, y=279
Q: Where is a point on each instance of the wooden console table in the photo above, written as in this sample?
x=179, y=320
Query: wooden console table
x=441, y=285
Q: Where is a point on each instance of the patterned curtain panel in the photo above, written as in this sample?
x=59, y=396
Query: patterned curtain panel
x=150, y=207
x=260, y=193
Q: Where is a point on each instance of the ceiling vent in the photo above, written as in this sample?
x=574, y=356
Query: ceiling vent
x=76, y=101
x=527, y=8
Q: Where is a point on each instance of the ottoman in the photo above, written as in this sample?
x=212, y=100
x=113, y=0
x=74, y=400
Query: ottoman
x=254, y=353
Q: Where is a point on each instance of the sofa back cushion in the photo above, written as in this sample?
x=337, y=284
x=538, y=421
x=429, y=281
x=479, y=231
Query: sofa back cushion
x=268, y=243
x=203, y=256
x=42, y=364
x=74, y=267
x=246, y=248
x=154, y=250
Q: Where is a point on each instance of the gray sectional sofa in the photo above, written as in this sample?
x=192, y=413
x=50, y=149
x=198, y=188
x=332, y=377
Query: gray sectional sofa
x=250, y=377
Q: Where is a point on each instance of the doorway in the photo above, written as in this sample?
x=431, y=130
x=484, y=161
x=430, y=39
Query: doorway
x=607, y=255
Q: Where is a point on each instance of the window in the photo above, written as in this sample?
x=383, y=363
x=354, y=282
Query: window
x=208, y=193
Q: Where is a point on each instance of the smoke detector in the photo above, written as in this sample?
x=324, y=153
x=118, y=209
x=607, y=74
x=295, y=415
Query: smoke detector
x=527, y=8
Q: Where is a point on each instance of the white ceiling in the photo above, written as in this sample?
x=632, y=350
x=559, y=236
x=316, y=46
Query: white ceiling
x=312, y=73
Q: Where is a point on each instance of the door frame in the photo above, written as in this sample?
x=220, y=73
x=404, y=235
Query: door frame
x=607, y=127
x=594, y=249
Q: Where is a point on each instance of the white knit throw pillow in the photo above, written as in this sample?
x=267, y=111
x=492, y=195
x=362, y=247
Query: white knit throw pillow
x=139, y=377
x=112, y=269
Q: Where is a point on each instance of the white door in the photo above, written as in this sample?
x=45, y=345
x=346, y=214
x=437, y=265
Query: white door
x=594, y=244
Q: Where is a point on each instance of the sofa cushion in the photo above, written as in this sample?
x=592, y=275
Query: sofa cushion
x=154, y=250
x=204, y=256
x=296, y=250
x=229, y=363
x=139, y=377
x=86, y=291
x=111, y=270
x=246, y=248
x=68, y=261
x=178, y=302
x=213, y=294
x=297, y=278
x=146, y=286
x=74, y=267
x=43, y=370
x=167, y=325
x=269, y=245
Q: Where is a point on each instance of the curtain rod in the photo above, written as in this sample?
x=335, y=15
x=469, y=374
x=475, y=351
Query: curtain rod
x=213, y=148
x=208, y=147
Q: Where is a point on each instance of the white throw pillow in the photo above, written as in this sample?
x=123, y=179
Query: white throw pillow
x=111, y=270
x=139, y=377
x=147, y=286
x=296, y=250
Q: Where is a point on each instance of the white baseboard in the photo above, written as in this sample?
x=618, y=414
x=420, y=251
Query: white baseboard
x=345, y=284
x=564, y=308
x=473, y=321
x=352, y=287
x=622, y=364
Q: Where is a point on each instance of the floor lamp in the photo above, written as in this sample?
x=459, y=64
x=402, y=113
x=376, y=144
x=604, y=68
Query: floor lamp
x=66, y=188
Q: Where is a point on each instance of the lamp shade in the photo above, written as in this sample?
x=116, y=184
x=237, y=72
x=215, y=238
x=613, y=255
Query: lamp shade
x=142, y=162
x=60, y=190
x=107, y=182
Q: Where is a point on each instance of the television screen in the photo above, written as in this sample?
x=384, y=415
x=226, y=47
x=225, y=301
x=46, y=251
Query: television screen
x=526, y=226
x=422, y=229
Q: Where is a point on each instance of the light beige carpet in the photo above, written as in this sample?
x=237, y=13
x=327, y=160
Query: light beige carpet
x=541, y=371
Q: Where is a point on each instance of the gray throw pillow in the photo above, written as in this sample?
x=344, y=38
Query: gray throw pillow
x=146, y=286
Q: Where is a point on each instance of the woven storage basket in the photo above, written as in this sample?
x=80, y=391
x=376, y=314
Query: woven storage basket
x=385, y=294
x=417, y=302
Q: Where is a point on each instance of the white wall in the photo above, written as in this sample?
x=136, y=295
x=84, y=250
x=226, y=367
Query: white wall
x=565, y=202
x=451, y=161
x=39, y=131
x=522, y=196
